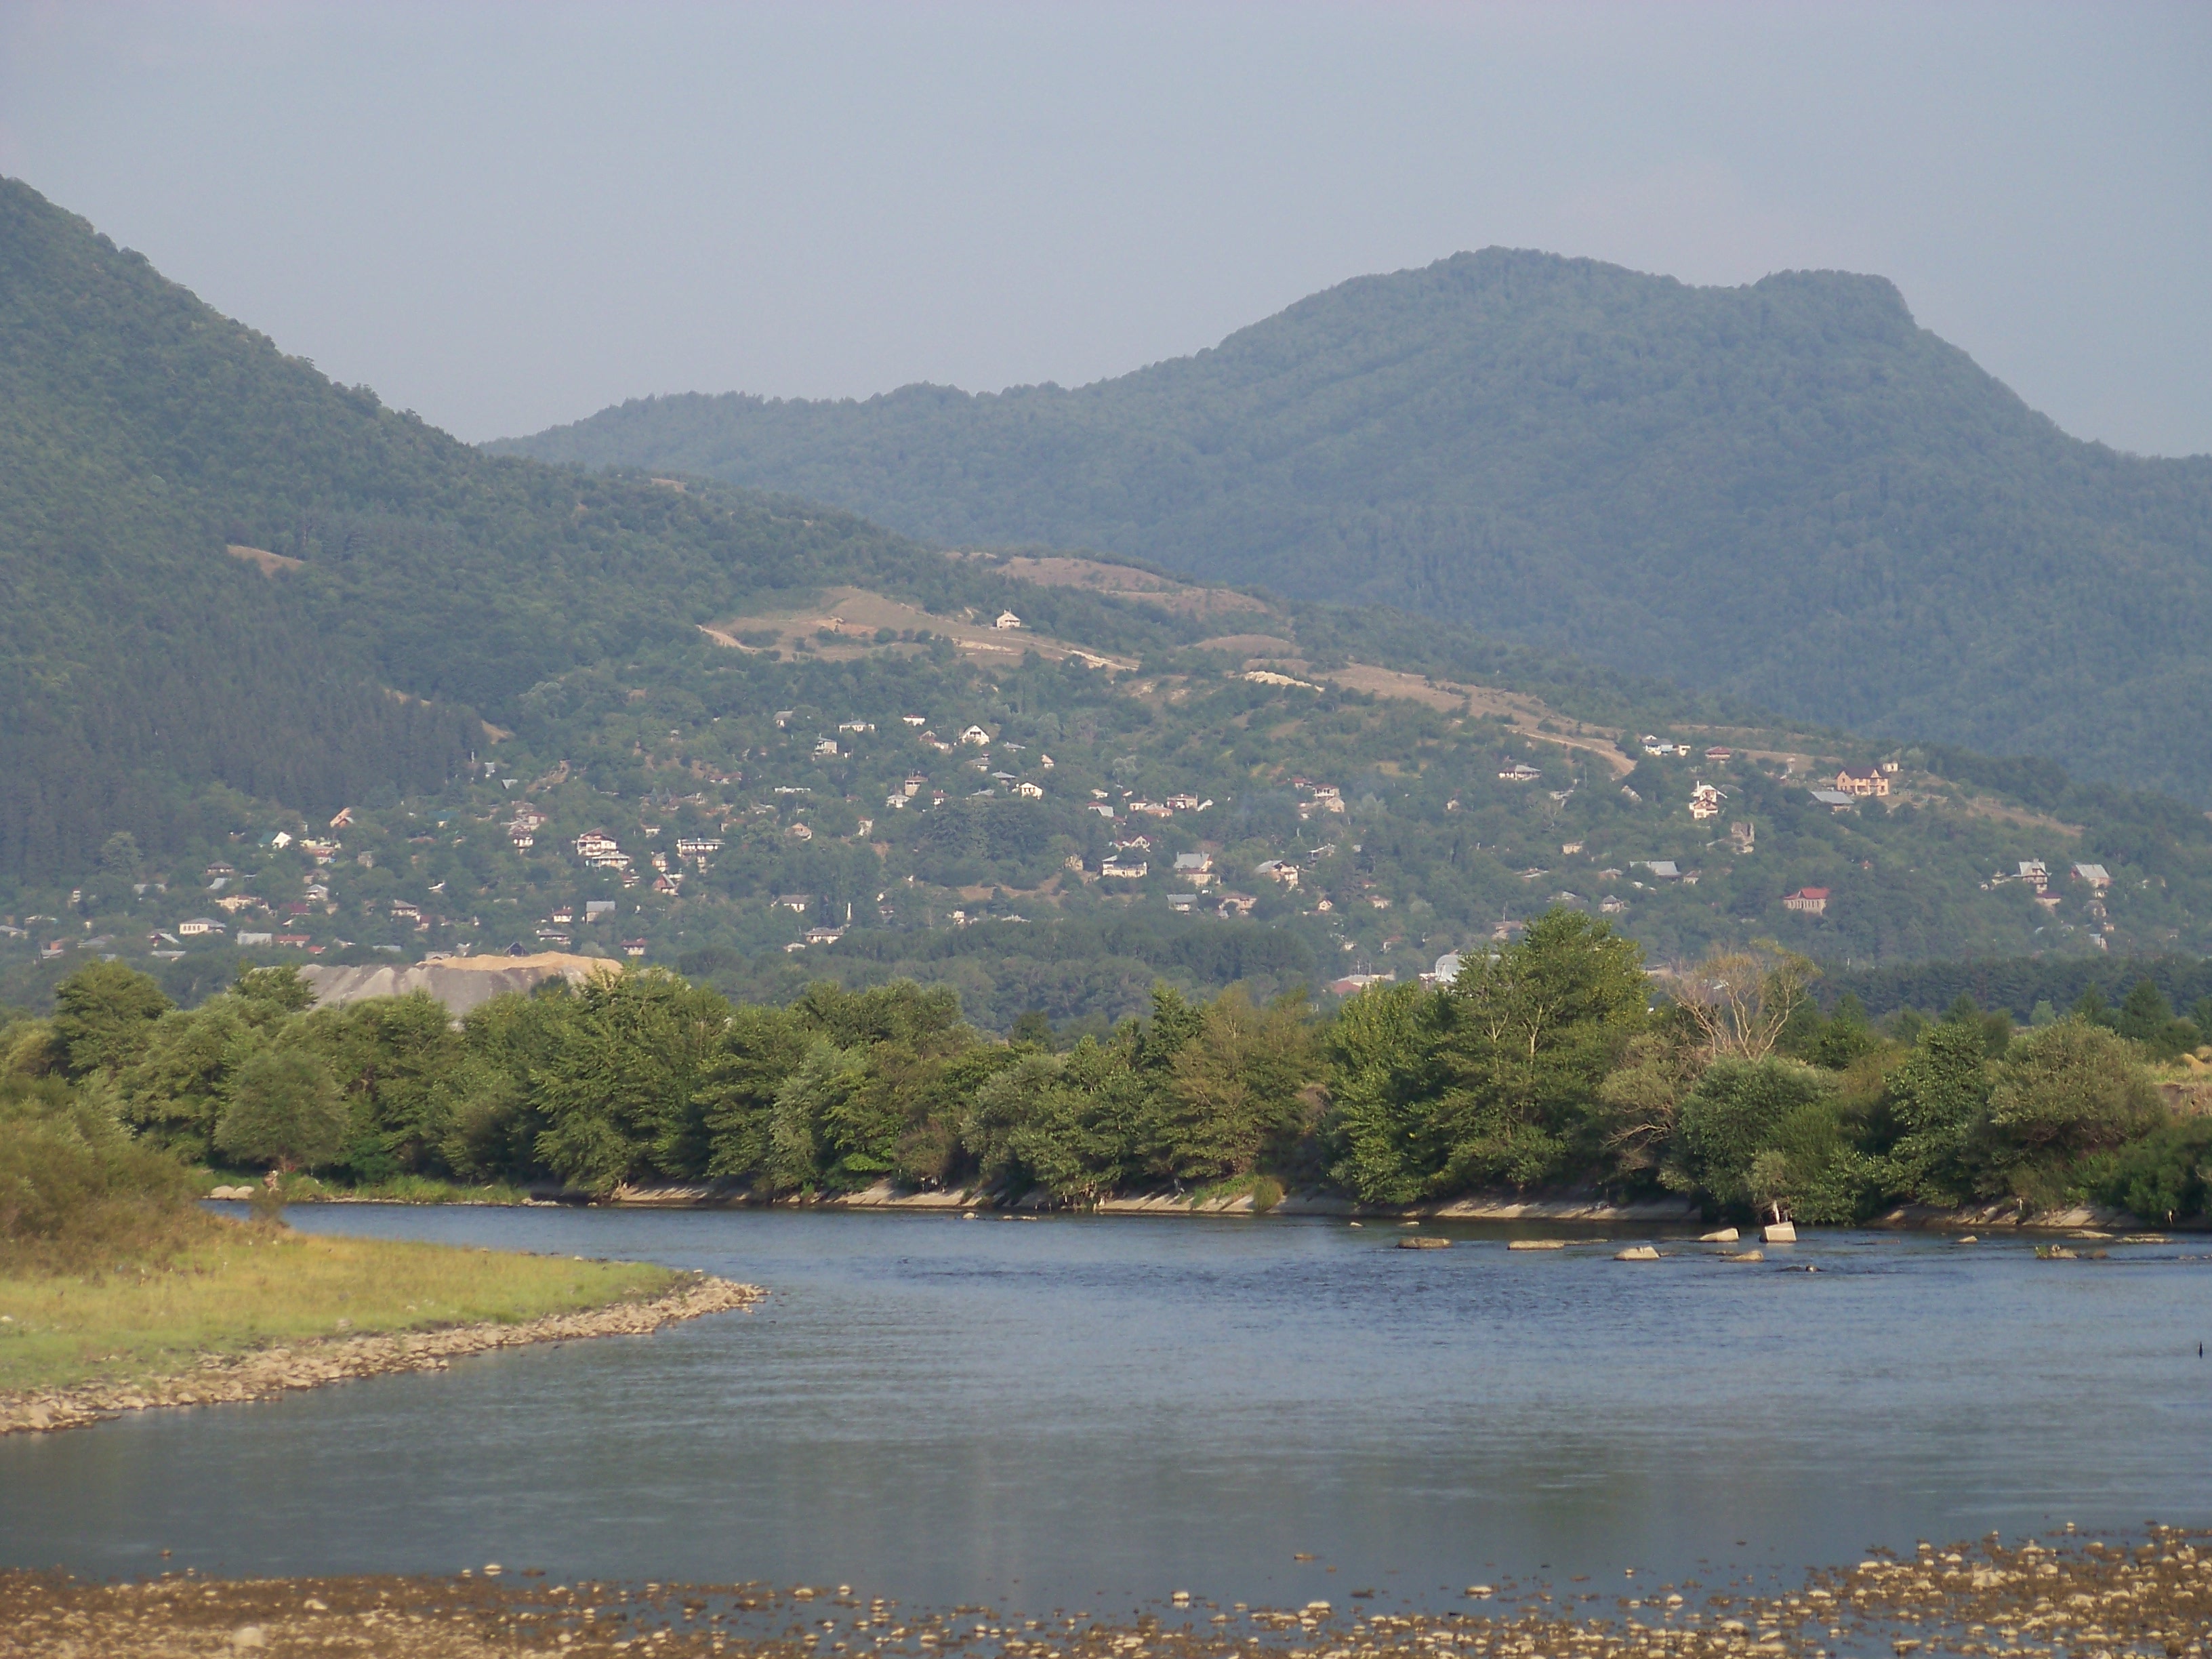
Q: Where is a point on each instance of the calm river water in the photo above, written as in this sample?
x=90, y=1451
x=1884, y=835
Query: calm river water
x=1087, y=1413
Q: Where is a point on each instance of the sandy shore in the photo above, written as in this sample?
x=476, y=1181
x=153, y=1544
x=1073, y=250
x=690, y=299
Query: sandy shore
x=2149, y=1594
x=264, y=1373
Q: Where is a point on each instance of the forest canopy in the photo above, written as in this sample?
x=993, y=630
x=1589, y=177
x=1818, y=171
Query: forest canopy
x=1546, y=1066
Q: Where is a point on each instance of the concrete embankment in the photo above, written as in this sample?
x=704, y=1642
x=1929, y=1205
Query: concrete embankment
x=264, y=1373
x=2006, y=1217
x=1491, y=1206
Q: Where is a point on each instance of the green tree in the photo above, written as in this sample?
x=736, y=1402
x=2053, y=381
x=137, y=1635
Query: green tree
x=2147, y=1018
x=28, y=1048
x=2165, y=1177
x=1067, y=1123
x=1533, y=1031
x=807, y=1104
x=495, y=1122
x=120, y=858
x=620, y=1093
x=176, y=1090
x=1641, y=1098
x=282, y=990
x=1995, y=1027
x=1384, y=1079
x=1733, y=1135
x=398, y=1060
x=1023, y=1124
x=1231, y=1088
x=285, y=1110
x=1848, y=1037
x=77, y=1191
x=104, y=1013
x=2070, y=1091
x=2091, y=1008
x=1939, y=1098
x=759, y=1049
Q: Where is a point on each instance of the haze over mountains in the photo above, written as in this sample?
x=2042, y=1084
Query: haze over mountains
x=1788, y=491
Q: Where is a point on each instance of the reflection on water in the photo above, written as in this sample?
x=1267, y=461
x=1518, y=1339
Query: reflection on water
x=1086, y=1413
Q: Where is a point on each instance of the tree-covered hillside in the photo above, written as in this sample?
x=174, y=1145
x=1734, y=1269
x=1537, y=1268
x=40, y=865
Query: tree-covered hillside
x=1787, y=491
x=151, y=681
x=676, y=720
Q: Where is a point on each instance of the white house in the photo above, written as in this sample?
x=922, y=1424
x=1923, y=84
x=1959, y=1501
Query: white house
x=198, y=926
x=1006, y=621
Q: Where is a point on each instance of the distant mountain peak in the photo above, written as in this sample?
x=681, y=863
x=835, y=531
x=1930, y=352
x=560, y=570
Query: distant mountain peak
x=1786, y=490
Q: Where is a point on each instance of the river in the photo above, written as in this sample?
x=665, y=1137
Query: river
x=1088, y=1414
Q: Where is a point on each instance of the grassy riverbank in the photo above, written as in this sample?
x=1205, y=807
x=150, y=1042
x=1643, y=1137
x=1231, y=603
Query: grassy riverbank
x=300, y=1188
x=241, y=1286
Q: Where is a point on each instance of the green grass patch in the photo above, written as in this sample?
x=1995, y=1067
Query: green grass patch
x=240, y=1287
x=397, y=1189
x=1264, y=1192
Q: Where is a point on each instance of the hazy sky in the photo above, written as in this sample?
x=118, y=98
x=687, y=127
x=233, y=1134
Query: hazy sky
x=504, y=216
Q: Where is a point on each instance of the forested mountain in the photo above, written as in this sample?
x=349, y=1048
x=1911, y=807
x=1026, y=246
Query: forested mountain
x=674, y=719
x=1787, y=491
x=141, y=433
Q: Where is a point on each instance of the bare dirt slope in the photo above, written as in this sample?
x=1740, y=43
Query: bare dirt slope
x=460, y=982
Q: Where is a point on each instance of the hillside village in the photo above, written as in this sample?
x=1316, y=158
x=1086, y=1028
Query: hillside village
x=822, y=812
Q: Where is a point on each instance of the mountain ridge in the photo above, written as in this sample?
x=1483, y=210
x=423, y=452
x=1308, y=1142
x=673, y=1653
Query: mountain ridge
x=1787, y=491
x=245, y=597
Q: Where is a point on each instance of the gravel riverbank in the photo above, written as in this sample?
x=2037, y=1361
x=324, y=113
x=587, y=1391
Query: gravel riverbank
x=2147, y=1595
x=264, y=1373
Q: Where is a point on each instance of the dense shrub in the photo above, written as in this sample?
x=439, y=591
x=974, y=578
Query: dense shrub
x=2165, y=1176
x=77, y=1192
